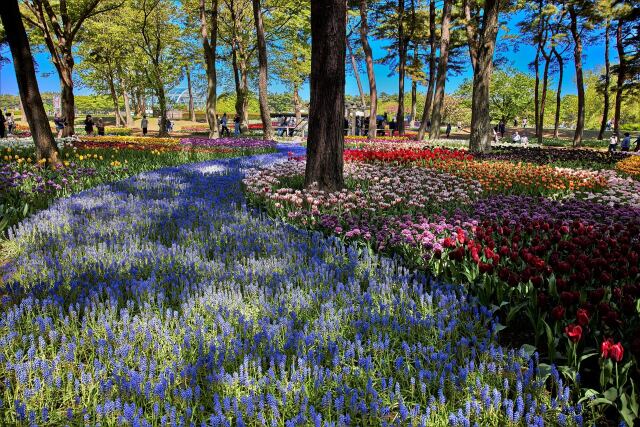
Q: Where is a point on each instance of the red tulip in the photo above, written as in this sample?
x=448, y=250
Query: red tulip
x=558, y=312
x=616, y=352
x=582, y=317
x=605, y=348
x=573, y=332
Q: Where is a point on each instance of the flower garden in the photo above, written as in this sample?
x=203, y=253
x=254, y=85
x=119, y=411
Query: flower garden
x=549, y=238
x=26, y=186
x=438, y=288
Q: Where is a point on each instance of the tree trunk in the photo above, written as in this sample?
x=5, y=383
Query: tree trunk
x=438, y=100
x=536, y=91
x=432, y=71
x=622, y=71
x=162, y=103
x=127, y=106
x=414, y=100
x=265, y=114
x=368, y=56
x=543, y=97
x=67, y=101
x=27, y=83
x=209, y=44
x=577, y=57
x=114, y=98
x=356, y=73
x=556, y=124
x=402, y=59
x=192, y=110
x=239, y=62
x=480, y=119
x=297, y=105
x=326, y=111
x=607, y=82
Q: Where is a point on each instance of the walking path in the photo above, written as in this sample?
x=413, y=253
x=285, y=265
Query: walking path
x=163, y=299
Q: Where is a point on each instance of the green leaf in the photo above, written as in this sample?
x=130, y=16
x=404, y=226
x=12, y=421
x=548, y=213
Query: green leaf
x=601, y=400
x=544, y=371
x=611, y=394
x=529, y=350
x=515, y=310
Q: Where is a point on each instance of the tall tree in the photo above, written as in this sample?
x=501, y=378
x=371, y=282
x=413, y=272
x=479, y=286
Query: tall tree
x=27, y=84
x=368, y=55
x=621, y=76
x=426, y=113
x=482, y=31
x=265, y=114
x=209, y=45
x=441, y=79
x=560, y=62
x=576, y=10
x=59, y=23
x=328, y=53
x=607, y=79
x=159, y=36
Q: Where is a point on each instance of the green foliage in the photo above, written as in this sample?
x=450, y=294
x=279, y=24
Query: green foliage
x=511, y=94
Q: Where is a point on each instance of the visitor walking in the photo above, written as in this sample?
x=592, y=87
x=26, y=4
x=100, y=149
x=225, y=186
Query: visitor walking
x=502, y=128
x=88, y=125
x=144, y=124
x=393, y=126
x=11, y=124
x=2, y=125
x=515, y=122
x=626, y=142
x=292, y=126
x=638, y=143
x=223, y=124
x=169, y=125
x=609, y=124
x=613, y=142
x=524, y=123
x=283, y=127
x=59, y=124
x=236, y=125
x=100, y=126
x=496, y=139
x=448, y=131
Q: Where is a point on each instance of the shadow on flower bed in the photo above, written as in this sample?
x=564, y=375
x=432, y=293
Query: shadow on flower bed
x=231, y=318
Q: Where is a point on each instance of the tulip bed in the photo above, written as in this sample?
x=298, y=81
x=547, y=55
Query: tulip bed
x=555, y=250
x=27, y=186
x=163, y=300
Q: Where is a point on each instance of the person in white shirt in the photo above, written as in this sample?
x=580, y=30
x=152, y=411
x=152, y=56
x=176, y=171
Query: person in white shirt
x=613, y=142
x=516, y=137
x=524, y=140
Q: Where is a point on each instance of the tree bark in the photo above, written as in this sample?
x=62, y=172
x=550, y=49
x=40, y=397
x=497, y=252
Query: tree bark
x=622, y=71
x=536, y=91
x=402, y=59
x=209, y=44
x=325, y=144
x=27, y=83
x=556, y=123
x=543, y=97
x=192, y=110
x=67, y=100
x=368, y=56
x=432, y=71
x=162, y=103
x=438, y=100
x=356, y=73
x=297, y=105
x=241, y=79
x=577, y=57
x=265, y=114
x=127, y=105
x=482, y=58
x=414, y=100
x=114, y=98
x=607, y=81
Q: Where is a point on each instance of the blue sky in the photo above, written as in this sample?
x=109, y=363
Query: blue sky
x=593, y=59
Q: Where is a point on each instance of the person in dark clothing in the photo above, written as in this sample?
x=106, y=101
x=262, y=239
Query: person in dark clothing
x=638, y=143
x=2, y=125
x=88, y=125
x=448, y=131
x=428, y=125
x=100, y=126
x=346, y=126
x=503, y=128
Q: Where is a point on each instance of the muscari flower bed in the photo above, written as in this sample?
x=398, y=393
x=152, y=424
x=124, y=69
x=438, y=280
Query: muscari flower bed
x=163, y=300
x=27, y=186
x=558, y=253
